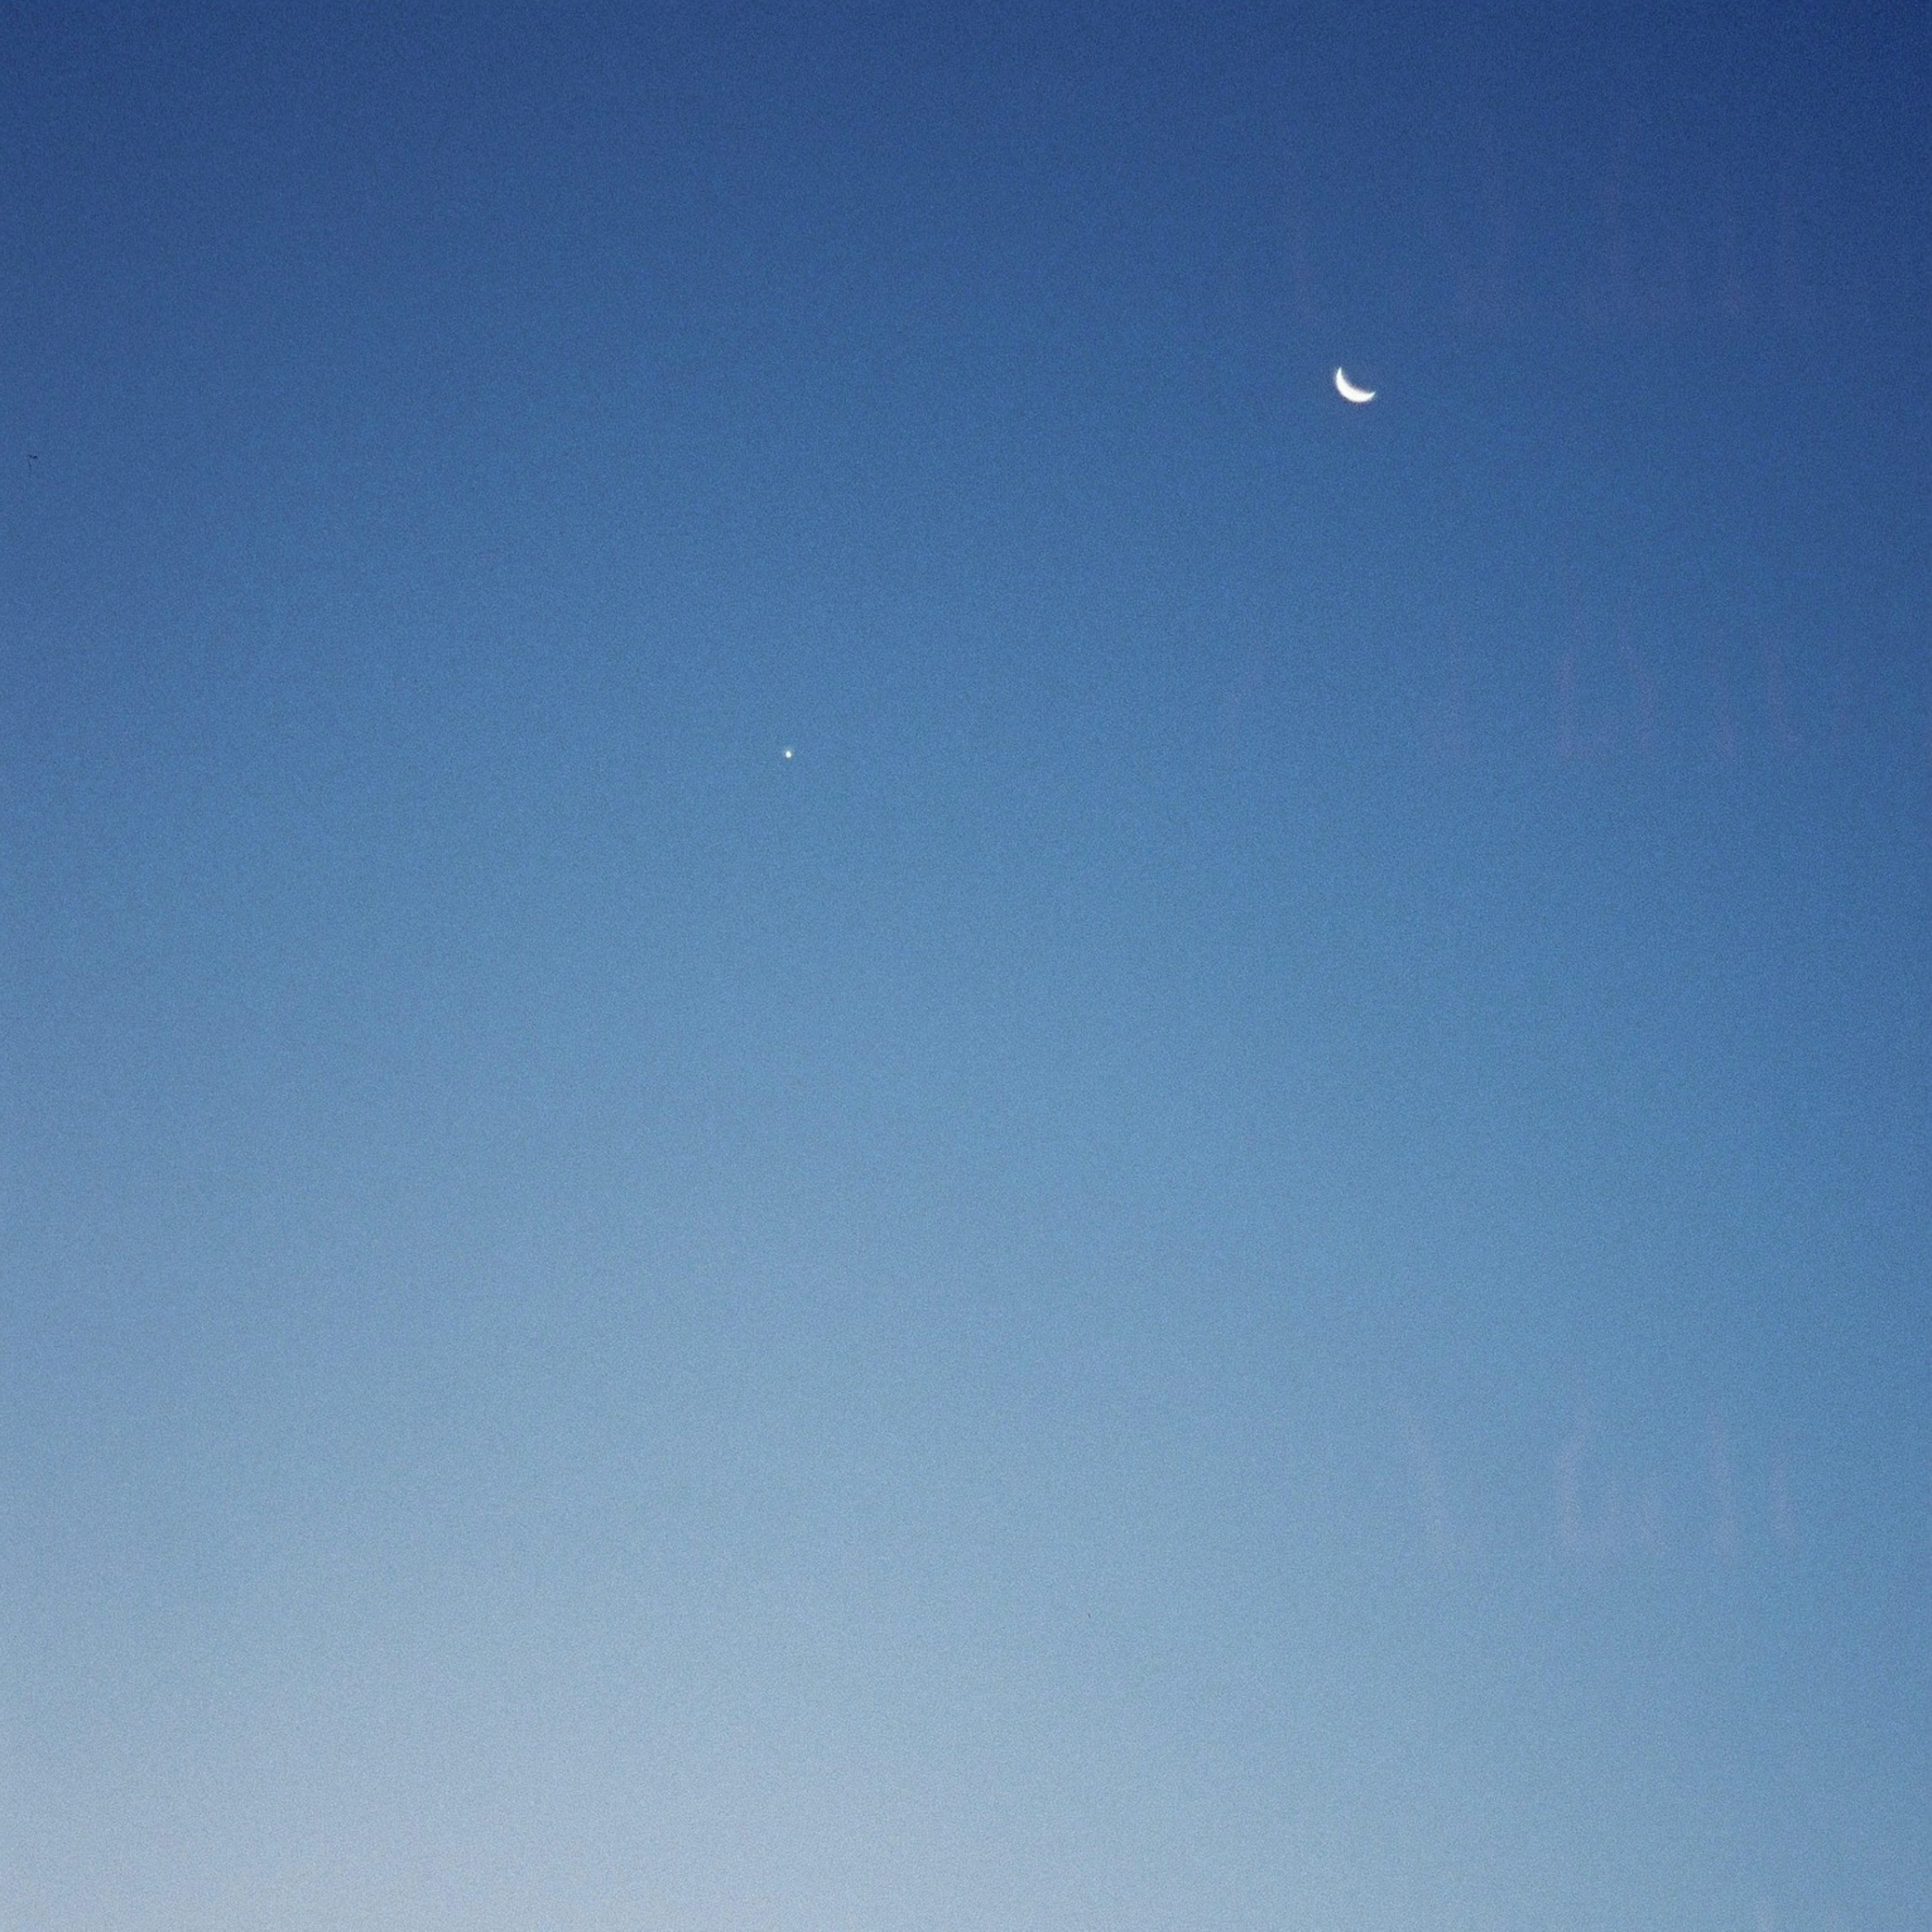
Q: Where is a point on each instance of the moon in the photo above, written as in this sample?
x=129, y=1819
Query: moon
x=1347, y=391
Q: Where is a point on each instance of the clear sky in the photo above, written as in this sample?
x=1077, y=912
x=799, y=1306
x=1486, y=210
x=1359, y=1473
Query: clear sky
x=846, y=1086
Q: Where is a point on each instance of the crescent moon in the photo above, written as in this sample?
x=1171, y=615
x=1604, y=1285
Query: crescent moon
x=1347, y=391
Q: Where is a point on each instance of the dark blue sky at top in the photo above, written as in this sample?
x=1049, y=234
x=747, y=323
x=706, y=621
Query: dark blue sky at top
x=1251, y=1249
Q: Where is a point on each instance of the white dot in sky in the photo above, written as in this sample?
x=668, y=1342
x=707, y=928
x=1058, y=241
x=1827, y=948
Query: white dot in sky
x=787, y=750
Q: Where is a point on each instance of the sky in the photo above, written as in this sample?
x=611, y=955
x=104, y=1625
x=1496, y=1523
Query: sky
x=845, y=1084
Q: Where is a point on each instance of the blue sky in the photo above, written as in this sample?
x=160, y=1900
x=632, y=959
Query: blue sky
x=1250, y=1250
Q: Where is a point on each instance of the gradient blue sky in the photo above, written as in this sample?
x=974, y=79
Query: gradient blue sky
x=1251, y=1252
